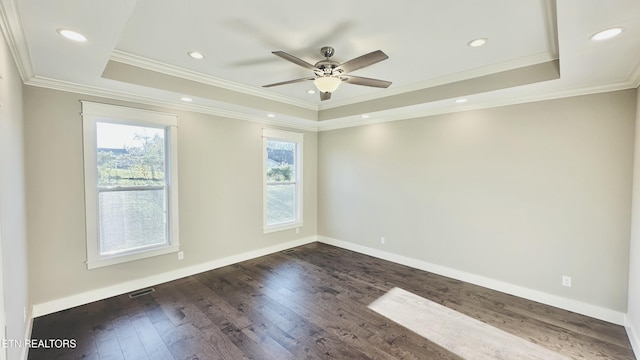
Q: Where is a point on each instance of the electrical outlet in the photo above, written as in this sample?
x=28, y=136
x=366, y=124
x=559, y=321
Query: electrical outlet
x=180, y=255
x=382, y=240
x=297, y=230
x=566, y=280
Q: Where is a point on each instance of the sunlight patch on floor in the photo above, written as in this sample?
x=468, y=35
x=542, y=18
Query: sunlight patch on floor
x=458, y=333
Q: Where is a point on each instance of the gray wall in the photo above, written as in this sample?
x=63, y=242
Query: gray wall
x=633, y=312
x=522, y=194
x=220, y=180
x=13, y=232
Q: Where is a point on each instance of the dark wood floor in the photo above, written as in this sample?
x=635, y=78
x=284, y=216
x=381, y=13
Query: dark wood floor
x=310, y=303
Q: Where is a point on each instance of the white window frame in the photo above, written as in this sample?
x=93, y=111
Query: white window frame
x=281, y=135
x=92, y=113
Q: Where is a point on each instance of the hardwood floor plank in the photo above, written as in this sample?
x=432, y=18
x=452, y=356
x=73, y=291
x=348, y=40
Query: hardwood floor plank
x=262, y=327
x=154, y=346
x=254, y=345
x=128, y=339
x=195, y=316
x=576, y=323
x=258, y=300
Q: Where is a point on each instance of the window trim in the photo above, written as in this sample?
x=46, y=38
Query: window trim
x=298, y=138
x=92, y=113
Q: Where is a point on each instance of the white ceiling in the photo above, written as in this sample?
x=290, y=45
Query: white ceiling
x=425, y=41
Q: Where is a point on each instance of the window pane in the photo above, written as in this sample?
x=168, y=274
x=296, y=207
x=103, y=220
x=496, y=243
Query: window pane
x=281, y=161
x=131, y=219
x=130, y=155
x=281, y=204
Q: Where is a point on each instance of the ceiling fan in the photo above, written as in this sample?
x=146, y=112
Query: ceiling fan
x=330, y=74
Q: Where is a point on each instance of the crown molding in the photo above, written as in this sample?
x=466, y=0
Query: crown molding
x=11, y=26
x=152, y=65
x=39, y=81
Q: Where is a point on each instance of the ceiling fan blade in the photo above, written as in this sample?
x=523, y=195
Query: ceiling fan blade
x=289, y=82
x=358, y=80
x=362, y=61
x=325, y=96
x=294, y=60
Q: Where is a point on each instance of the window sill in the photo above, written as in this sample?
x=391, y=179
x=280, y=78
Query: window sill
x=119, y=259
x=289, y=226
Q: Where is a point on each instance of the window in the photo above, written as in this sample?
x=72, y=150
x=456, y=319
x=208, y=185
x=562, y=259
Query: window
x=131, y=196
x=282, y=173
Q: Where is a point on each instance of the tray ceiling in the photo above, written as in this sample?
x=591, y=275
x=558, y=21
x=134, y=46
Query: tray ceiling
x=138, y=50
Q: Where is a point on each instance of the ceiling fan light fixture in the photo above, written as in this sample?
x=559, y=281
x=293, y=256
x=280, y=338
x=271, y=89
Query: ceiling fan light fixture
x=327, y=83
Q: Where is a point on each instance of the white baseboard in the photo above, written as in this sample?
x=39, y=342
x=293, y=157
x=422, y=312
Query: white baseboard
x=597, y=312
x=125, y=287
x=634, y=336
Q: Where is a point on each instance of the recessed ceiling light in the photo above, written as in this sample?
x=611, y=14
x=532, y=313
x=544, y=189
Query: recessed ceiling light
x=460, y=101
x=271, y=115
x=606, y=34
x=196, y=55
x=477, y=42
x=72, y=35
x=311, y=91
x=186, y=99
x=364, y=116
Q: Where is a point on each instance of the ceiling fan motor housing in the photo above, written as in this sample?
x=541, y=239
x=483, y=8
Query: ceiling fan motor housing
x=325, y=67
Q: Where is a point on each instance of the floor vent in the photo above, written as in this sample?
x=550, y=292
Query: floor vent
x=142, y=292
x=288, y=251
